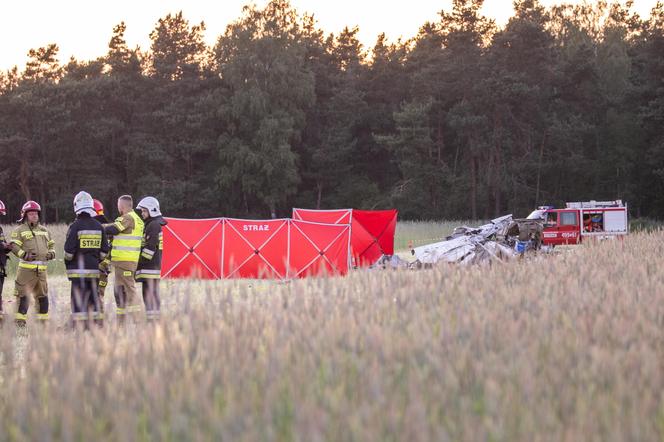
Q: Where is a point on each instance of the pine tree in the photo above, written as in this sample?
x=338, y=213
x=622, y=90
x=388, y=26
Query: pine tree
x=261, y=59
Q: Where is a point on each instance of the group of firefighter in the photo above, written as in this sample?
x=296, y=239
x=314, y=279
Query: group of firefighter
x=129, y=247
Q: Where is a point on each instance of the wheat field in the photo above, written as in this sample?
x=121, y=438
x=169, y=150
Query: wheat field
x=418, y=233
x=568, y=346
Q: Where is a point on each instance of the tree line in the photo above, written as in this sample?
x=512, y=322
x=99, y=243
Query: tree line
x=465, y=120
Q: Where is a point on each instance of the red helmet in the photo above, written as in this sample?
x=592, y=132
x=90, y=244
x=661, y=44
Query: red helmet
x=3, y=209
x=30, y=206
x=98, y=206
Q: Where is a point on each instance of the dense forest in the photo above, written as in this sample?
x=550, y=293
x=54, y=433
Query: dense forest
x=465, y=120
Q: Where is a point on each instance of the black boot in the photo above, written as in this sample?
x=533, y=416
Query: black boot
x=22, y=312
x=42, y=312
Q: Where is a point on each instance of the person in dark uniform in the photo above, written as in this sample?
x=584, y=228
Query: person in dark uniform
x=85, y=247
x=4, y=249
x=148, y=272
x=105, y=265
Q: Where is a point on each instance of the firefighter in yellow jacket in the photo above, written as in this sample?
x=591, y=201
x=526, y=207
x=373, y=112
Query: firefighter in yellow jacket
x=32, y=244
x=127, y=233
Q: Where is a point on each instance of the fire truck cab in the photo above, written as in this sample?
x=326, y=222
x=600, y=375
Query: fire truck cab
x=579, y=220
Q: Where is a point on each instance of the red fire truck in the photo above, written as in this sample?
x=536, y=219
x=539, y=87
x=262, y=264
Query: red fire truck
x=579, y=220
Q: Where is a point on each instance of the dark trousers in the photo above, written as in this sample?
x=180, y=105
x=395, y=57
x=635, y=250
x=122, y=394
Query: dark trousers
x=85, y=303
x=2, y=283
x=151, y=298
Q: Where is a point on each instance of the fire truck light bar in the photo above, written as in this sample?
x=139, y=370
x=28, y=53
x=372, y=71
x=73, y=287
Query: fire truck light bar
x=594, y=204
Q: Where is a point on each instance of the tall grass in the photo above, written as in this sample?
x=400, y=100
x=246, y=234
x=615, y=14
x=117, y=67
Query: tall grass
x=418, y=233
x=567, y=347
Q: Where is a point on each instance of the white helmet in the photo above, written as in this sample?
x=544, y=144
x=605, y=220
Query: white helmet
x=151, y=204
x=83, y=203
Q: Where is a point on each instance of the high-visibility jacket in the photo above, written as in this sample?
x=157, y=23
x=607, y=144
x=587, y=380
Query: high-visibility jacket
x=26, y=240
x=85, y=246
x=126, y=244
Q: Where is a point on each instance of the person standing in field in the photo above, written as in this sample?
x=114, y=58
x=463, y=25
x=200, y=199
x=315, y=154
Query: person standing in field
x=32, y=244
x=149, y=264
x=105, y=264
x=127, y=232
x=4, y=248
x=85, y=247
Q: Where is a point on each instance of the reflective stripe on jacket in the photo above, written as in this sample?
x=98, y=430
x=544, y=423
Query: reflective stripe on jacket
x=85, y=246
x=149, y=265
x=126, y=245
x=34, y=240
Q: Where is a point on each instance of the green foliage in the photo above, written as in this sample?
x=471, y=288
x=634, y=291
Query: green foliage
x=261, y=60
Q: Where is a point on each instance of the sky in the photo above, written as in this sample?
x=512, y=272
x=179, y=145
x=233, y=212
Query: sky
x=82, y=28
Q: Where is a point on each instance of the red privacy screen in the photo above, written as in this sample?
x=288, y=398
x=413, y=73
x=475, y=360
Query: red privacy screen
x=192, y=248
x=372, y=231
x=225, y=248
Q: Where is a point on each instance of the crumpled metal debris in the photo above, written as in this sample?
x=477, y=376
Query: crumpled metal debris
x=472, y=245
x=393, y=262
x=502, y=239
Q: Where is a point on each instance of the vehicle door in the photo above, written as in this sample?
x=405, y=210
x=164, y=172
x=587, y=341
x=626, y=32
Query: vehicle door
x=569, y=229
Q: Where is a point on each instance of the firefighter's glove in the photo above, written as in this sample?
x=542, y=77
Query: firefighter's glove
x=50, y=255
x=104, y=267
x=30, y=256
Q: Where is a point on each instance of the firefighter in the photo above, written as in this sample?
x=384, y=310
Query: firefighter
x=596, y=223
x=127, y=232
x=4, y=248
x=32, y=244
x=85, y=247
x=149, y=264
x=105, y=264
